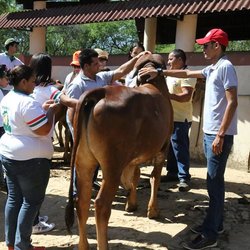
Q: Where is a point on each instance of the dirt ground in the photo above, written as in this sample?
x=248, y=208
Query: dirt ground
x=178, y=211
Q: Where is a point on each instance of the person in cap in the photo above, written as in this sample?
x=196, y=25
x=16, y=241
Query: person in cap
x=219, y=126
x=103, y=57
x=8, y=57
x=76, y=69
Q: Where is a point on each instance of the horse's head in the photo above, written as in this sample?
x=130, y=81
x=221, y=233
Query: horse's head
x=148, y=60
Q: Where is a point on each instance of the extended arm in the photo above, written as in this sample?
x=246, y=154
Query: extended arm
x=175, y=73
x=127, y=67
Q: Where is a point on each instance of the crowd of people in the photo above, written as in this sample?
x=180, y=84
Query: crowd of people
x=31, y=100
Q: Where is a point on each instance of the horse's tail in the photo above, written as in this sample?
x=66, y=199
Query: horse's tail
x=83, y=110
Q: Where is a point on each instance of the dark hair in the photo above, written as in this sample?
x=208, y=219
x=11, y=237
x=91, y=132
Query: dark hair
x=223, y=48
x=136, y=44
x=41, y=64
x=86, y=55
x=18, y=73
x=10, y=44
x=179, y=53
x=3, y=70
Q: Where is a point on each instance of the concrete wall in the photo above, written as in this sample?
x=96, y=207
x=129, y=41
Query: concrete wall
x=239, y=158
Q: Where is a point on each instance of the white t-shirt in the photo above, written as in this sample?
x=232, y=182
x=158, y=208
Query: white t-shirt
x=21, y=115
x=1, y=97
x=10, y=64
x=45, y=93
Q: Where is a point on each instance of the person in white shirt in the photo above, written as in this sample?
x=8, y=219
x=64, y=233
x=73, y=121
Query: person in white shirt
x=26, y=150
x=8, y=57
x=3, y=83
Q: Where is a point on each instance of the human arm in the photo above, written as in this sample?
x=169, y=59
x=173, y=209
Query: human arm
x=232, y=103
x=174, y=73
x=45, y=128
x=127, y=67
x=184, y=96
x=71, y=112
x=67, y=101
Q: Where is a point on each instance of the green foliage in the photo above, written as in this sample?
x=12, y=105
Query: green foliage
x=164, y=48
x=114, y=37
x=22, y=36
x=232, y=46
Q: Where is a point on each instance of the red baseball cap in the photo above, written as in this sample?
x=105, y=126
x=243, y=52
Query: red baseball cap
x=214, y=35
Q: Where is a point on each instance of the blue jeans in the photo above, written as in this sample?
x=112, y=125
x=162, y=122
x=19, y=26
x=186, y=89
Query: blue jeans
x=2, y=180
x=27, y=182
x=216, y=165
x=178, y=159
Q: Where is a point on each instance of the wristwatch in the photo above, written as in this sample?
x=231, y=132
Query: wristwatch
x=160, y=72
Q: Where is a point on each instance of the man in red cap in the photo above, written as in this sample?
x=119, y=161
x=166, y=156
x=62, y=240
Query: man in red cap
x=219, y=126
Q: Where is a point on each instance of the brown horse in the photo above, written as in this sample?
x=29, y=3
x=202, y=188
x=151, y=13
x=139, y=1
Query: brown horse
x=119, y=128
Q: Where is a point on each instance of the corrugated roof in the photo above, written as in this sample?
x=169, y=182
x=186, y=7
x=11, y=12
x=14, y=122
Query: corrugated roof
x=114, y=11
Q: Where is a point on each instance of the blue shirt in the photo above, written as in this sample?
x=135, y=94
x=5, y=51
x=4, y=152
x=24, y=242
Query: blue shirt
x=81, y=83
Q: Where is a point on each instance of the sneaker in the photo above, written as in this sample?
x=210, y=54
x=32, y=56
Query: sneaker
x=183, y=186
x=199, y=243
x=198, y=230
x=42, y=227
x=169, y=178
x=44, y=218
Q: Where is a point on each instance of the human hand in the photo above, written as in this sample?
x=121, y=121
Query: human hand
x=147, y=52
x=46, y=104
x=217, y=145
x=148, y=71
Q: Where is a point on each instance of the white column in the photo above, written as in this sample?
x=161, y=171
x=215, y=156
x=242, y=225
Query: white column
x=185, y=33
x=150, y=34
x=38, y=34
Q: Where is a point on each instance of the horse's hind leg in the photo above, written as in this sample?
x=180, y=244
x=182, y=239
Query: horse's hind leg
x=130, y=178
x=153, y=211
x=84, y=190
x=103, y=202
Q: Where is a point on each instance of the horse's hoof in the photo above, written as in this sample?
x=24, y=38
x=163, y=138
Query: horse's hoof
x=153, y=214
x=130, y=208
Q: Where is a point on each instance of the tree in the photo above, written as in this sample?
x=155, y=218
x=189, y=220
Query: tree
x=114, y=37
